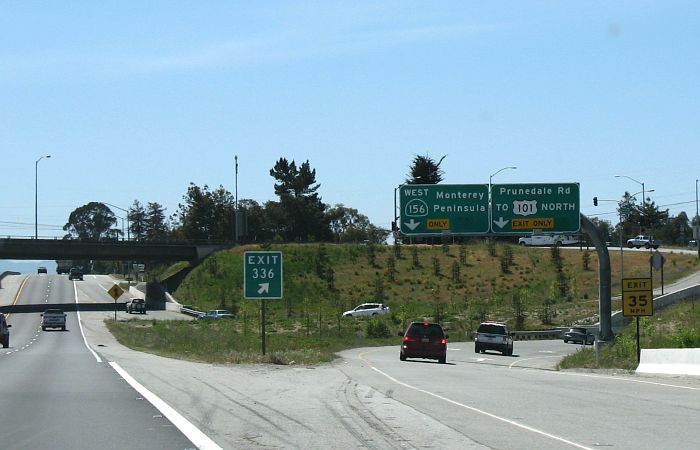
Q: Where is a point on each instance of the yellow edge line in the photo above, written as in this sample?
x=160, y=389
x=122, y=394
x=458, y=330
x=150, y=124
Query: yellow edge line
x=19, y=292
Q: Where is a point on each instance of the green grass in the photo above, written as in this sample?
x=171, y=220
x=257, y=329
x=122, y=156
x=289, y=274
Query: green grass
x=306, y=325
x=677, y=326
x=222, y=342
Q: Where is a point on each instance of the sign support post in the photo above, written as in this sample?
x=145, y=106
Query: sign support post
x=263, y=311
x=637, y=300
x=262, y=280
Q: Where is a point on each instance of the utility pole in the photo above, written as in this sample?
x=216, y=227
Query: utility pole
x=235, y=217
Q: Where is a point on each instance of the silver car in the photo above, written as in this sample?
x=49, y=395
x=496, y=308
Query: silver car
x=214, y=314
x=578, y=335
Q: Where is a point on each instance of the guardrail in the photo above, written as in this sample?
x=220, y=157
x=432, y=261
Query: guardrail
x=186, y=309
x=535, y=335
x=531, y=335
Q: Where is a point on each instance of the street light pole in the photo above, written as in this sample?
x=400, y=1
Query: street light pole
x=697, y=219
x=644, y=196
x=496, y=173
x=128, y=225
x=235, y=217
x=36, y=196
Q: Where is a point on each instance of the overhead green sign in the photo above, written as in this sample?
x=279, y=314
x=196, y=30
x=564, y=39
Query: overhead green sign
x=444, y=208
x=262, y=274
x=523, y=208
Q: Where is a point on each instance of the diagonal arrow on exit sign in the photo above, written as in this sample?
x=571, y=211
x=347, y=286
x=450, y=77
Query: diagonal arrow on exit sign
x=264, y=288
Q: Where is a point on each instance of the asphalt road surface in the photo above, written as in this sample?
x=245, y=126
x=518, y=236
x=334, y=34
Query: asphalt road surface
x=54, y=394
x=365, y=399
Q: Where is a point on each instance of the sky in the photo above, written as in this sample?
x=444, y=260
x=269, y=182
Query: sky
x=136, y=100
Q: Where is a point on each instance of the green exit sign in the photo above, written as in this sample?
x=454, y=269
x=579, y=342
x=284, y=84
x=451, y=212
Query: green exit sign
x=430, y=209
x=523, y=208
x=262, y=274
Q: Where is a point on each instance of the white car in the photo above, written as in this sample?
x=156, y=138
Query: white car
x=367, y=309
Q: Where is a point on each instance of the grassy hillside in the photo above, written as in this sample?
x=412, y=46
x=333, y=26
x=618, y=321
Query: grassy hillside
x=458, y=285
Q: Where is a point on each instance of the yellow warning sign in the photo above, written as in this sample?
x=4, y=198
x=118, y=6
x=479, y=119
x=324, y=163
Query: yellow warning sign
x=637, y=297
x=438, y=224
x=115, y=291
x=533, y=222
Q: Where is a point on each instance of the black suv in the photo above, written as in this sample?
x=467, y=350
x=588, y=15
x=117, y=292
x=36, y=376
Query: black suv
x=75, y=274
x=424, y=340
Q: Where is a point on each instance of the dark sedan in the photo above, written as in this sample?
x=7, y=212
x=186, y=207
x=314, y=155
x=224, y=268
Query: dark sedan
x=578, y=335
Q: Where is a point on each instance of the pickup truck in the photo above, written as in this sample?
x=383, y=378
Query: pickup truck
x=53, y=318
x=548, y=239
x=136, y=305
x=643, y=240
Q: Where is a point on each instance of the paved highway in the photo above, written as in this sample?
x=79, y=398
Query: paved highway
x=365, y=399
x=55, y=394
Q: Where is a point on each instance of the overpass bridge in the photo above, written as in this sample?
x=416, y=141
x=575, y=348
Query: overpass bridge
x=38, y=249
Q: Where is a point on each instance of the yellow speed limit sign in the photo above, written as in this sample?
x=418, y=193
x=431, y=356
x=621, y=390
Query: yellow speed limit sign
x=637, y=297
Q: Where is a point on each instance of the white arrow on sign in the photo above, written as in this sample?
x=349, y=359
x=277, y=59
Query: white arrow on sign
x=264, y=288
x=500, y=222
x=412, y=225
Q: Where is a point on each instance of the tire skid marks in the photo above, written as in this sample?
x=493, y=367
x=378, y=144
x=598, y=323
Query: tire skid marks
x=244, y=411
x=353, y=409
x=274, y=420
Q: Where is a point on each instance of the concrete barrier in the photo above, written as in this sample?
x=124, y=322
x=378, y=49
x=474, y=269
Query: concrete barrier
x=671, y=361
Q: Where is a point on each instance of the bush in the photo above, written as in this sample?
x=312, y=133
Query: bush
x=377, y=328
x=686, y=337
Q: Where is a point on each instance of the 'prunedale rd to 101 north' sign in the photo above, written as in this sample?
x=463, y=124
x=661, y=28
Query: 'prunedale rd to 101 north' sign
x=429, y=209
x=523, y=208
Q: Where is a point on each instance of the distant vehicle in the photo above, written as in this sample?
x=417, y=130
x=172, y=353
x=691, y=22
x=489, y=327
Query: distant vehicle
x=214, y=314
x=4, y=331
x=643, y=240
x=367, y=309
x=75, y=274
x=63, y=266
x=548, y=239
x=424, y=340
x=578, y=335
x=53, y=318
x=493, y=336
x=41, y=269
x=136, y=305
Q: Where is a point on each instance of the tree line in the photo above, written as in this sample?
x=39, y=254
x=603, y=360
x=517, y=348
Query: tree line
x=298, y=215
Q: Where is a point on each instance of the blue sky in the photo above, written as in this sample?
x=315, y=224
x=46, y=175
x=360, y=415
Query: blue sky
x=135, y=100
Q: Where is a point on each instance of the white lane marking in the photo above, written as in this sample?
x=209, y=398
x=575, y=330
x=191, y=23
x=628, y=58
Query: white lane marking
x=629, y=380
x=530, y=359
x=80, y=325
x=201, y=440
x=476, y=410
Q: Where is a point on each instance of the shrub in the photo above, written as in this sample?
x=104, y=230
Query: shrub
x=377, y=328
